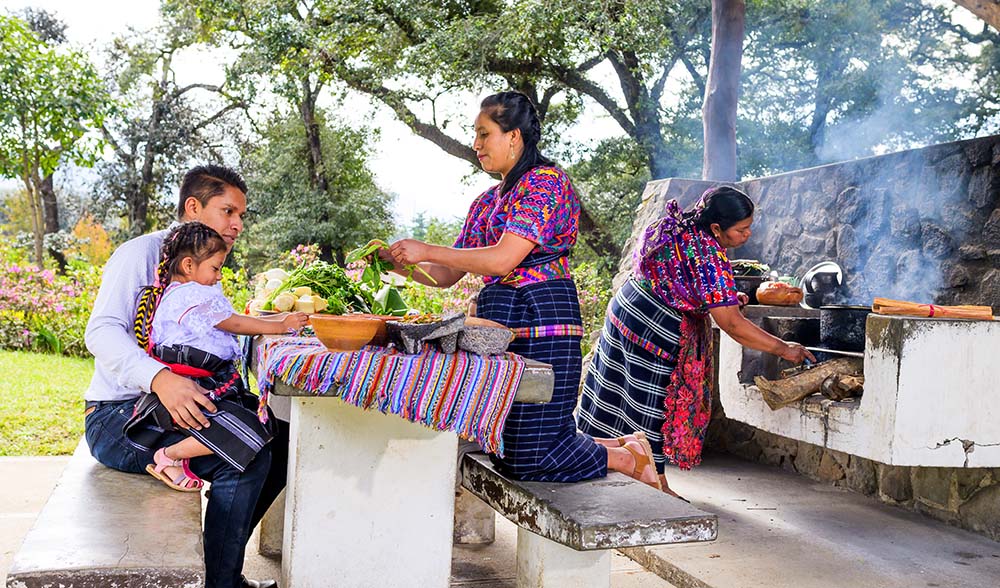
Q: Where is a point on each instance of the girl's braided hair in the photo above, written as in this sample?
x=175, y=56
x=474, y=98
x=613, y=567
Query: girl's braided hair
x=195, y=240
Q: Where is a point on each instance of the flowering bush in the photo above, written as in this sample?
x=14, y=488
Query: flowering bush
x=40, y=311
x=299, y=255
x=237, y=288
x=430, y=299
x=594, y=290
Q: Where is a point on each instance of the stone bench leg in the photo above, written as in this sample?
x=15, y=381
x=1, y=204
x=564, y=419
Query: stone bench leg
x=370, y=499
x=542, y=563
x=475, y=521
x=272, y=528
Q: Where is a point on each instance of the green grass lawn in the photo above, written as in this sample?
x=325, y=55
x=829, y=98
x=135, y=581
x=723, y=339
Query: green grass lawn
x=41, y=402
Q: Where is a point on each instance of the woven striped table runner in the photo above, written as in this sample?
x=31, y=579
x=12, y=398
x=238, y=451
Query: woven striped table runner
x=467, y=394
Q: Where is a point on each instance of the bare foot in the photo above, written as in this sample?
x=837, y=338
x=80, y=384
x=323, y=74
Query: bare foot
x=614, y=442
x=666, y=488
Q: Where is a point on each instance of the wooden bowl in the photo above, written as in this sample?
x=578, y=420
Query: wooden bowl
x=347, y=332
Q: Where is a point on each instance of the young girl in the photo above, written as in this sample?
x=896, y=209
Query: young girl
x=193, y=330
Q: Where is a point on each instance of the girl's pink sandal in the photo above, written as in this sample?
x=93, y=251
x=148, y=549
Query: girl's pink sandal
x=188, y=481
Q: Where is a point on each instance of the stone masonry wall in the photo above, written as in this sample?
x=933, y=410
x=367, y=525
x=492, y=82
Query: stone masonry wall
x=920, y=225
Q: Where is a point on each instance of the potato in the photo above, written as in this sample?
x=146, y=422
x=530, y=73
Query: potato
x=283, y=302
x=276, y=274
x=319, y=304
x=272, y=285
x=305, y=304
x=302, y=291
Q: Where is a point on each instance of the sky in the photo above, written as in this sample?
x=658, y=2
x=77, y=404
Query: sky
x=423, y=177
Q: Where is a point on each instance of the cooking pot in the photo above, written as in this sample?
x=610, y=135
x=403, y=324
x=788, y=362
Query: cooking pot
x=842, y=327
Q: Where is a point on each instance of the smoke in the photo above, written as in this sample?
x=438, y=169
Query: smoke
x=900, y=220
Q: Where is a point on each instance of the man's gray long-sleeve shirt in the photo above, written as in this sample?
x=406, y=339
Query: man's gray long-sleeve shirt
x=122, y=369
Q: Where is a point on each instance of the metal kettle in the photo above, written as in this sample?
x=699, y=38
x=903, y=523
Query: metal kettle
x=821, y=284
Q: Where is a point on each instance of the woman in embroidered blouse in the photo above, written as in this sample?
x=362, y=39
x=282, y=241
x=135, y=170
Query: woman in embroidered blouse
x=518, y=235
x=652, y=369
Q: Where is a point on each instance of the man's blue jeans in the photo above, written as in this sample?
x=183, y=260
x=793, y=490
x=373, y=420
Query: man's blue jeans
x=237, y=501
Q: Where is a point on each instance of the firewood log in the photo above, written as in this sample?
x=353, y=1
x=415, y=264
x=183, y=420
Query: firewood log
x=794, y=388
x=838, y=387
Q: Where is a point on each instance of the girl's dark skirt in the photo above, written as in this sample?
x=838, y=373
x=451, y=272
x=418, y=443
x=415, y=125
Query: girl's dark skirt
x=235, y=433
x=540, y=440
x=628, y=376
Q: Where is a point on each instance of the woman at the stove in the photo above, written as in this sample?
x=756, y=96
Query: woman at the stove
x=652, y=369
x=518, y=235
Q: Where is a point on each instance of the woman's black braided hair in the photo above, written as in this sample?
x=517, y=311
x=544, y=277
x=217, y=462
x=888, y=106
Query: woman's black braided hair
x=722, y=205
x=514, y=110
x=195, y=240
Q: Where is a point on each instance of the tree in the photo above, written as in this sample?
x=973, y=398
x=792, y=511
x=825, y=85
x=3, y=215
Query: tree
x=407, y=55
x=160, y=126
x=722, y=90
x=46, y=25
x=815, y=72
x=49, y=97
x=990, y=12
x=52, y=31
x=828, y=81
x=274, y=40
x=289, y=210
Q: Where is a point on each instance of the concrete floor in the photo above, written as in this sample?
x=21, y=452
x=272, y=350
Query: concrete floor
x=781, y=530
x=485, y=566
x=776, y=530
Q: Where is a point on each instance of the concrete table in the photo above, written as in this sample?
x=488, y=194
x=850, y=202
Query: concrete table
x=370, y=497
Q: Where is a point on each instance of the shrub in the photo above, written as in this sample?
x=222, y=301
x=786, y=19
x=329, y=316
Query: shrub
x=431, y=299
x=594, y=290
x=40, y=311
x=92, y=243
x=236, y=286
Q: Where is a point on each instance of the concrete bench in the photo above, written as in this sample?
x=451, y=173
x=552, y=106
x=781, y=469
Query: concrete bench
x=566, y=531
x=103, y=528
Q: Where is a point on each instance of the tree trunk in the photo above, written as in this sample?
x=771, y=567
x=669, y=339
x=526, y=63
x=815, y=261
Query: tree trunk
x=138, y=207
x=50, y=213
x=307, y=109
x=722, y=90
x=988, y=11
x=37, y=221
x=598, y=240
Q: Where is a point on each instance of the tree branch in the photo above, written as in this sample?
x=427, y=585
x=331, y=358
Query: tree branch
x=574, y=80
x=221, y=113
x=179, y=91
x=360, y=81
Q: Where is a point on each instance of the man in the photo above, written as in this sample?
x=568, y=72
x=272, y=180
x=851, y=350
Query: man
x=216, y=196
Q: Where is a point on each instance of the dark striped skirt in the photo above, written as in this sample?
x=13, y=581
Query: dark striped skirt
x=631, y=368
x=235, y=433
x=540, y=440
